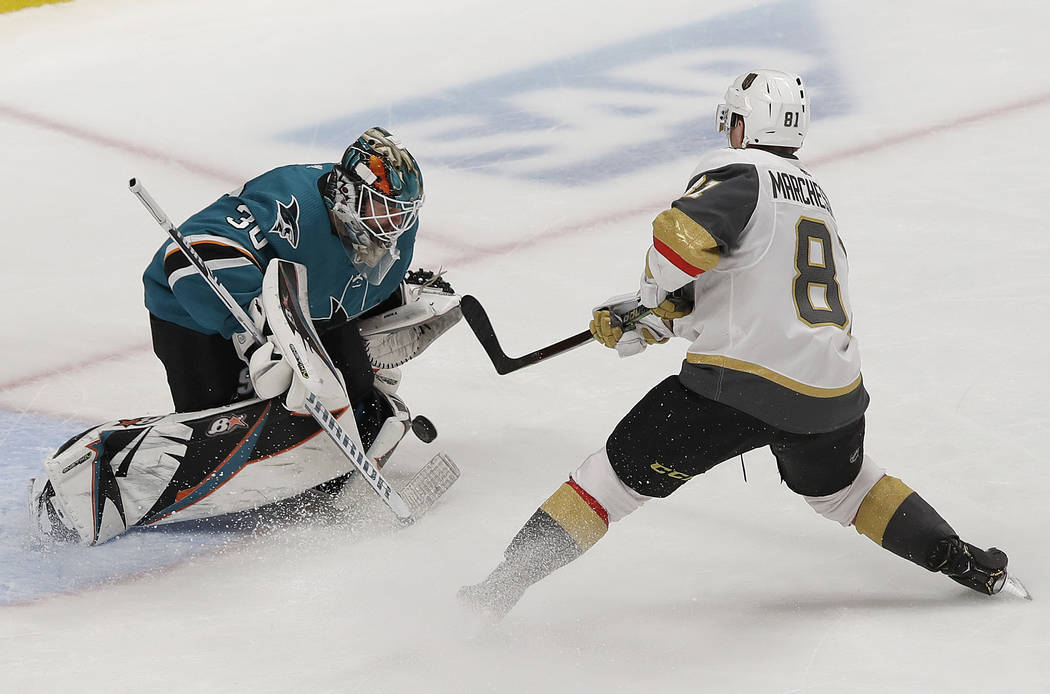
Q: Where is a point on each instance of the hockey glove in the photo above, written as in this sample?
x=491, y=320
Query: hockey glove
x=607, y=327
x=429, y=307
x=270, y=373
x=666, y=305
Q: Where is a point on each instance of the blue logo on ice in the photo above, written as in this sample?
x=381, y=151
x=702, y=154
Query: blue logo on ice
x=606, y=113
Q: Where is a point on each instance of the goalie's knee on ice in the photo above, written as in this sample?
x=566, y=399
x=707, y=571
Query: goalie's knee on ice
x=597, y=477
x=842, y=506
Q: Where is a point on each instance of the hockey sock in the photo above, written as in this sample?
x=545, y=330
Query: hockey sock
x=898, y=519
x=565, y=526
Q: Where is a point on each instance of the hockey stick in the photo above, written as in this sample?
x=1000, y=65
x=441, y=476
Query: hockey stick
x=479, y=322
x=444, y=471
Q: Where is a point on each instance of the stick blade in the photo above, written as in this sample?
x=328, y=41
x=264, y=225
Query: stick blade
x=479, y=322
x=429, y=484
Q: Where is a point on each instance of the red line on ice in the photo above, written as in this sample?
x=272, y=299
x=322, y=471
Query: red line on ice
x=102, y=140
x=76, y=366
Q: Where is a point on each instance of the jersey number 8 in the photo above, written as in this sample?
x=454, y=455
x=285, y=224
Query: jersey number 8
x=816, y=288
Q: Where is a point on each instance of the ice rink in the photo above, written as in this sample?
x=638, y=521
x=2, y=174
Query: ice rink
x=549, y=134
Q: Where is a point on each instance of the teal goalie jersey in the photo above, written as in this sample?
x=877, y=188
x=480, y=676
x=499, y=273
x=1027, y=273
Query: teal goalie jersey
x=280, y=214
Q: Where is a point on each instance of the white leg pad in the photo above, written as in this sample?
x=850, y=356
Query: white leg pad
x=597, y=477
x=842, y=506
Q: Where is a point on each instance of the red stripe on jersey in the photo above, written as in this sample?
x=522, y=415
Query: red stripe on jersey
x=675, y=259
x=591, y=501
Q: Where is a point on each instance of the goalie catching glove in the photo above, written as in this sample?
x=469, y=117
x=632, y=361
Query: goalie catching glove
x=428, y=308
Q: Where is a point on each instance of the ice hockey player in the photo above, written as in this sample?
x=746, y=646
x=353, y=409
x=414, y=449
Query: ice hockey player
x=350, y=227
x=746, y=265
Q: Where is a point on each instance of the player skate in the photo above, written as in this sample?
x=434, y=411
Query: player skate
x=975, y=568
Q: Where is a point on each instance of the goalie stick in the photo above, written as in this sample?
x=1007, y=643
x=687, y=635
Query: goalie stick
x=428, y=484
x=479, y=322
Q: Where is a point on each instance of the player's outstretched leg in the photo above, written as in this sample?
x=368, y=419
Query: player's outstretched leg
x=565, y=526
x=898, y=519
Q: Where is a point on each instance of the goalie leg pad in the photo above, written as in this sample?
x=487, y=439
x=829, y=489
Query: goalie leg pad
x=47, y=515
x=164, y=469
x=392, y=430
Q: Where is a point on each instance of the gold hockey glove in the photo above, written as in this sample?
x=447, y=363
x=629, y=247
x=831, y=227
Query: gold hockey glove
x=672, y=307
x=607, y=327
x=603, y=329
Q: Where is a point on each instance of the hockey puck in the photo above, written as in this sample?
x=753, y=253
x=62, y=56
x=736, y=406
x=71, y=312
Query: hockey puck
x=424, y=429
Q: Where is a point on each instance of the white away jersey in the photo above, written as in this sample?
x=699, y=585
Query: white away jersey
x=755, y=235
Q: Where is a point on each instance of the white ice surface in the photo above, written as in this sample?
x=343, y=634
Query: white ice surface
x=928, y=139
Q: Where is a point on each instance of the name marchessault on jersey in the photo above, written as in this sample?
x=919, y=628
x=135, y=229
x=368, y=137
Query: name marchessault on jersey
x=802, y=190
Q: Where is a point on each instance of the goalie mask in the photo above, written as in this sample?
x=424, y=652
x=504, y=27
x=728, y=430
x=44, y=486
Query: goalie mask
x=373, y=196
x=773, y=105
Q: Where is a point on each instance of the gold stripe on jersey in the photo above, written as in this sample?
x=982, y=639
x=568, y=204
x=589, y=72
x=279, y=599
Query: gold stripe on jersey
x=576, y=516
x=770, y=375
x=201, y=244
x=687, y=239
x=878, y=507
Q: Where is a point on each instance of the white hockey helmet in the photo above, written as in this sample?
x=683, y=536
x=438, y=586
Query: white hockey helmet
x=772, y=103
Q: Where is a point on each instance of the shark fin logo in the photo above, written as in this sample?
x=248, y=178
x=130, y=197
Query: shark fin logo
x=336, y=313
x=287, y=223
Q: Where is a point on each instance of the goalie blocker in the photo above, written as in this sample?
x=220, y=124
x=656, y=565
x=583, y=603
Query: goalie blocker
x=162, y=469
